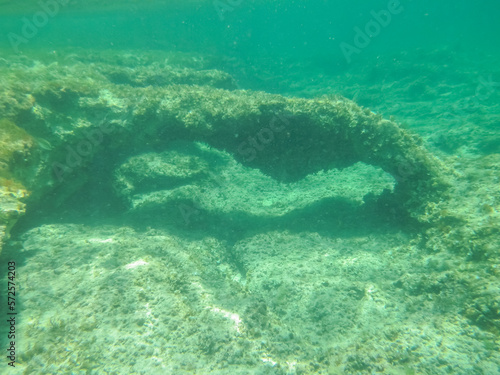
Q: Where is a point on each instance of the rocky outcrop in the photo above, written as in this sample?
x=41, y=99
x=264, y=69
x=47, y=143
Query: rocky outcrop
x=84, y=112
x=16, y=154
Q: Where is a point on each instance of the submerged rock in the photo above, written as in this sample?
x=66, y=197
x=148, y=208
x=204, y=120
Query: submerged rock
x=289, y=263
x=155, y=171
x=16, y=146
x=93, y=120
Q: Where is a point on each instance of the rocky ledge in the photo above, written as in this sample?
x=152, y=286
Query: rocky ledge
x=66, y=112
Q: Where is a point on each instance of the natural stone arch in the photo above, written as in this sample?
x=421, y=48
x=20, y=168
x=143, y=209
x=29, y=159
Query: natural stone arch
x=76, y=114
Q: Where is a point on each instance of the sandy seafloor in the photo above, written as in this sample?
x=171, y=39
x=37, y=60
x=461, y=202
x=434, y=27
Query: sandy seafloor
x=315, y=288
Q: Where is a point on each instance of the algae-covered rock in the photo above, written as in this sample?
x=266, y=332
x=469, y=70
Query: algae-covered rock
x=16, y=146
x=11, y=206
x=194, y=181
x=100, y=115
x=286, y=138
x=152, y=171
x=290, y=266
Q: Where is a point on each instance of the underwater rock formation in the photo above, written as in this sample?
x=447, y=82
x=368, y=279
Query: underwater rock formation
x=86, y=114
x=192, y=180
x=15, y=149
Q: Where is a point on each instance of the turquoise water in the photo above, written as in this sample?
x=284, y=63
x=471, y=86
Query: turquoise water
x=250, y=187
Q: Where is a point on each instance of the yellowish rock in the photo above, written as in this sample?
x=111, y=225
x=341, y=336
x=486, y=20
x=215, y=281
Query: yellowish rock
x=15, y=144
